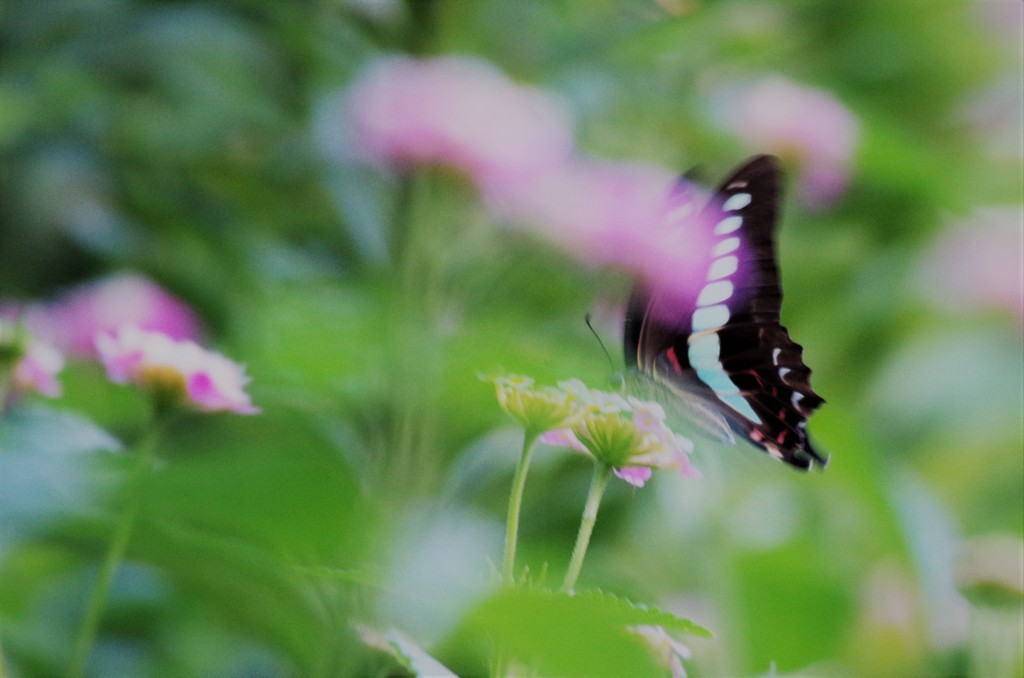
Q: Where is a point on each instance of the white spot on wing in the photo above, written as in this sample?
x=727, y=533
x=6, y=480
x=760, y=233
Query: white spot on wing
x=714, y=293
x=728, y=225
x=704, y=351
x=783, y=371
x=725, y=246
x=775, y=355
x=723, y=267
x=736, y=202
x=710, y=318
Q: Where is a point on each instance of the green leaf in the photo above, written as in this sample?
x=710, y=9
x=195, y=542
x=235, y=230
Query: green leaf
x=47, y=467
x=554, y=633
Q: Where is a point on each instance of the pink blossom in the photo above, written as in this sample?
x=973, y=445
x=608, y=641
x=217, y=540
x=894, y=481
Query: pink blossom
x=38, y=368
x=976, y=263
x=456, y=111
x=626, y=433
x=625, y=215
x=636, y=476
x=806, y=125
x=182, y=370
x=563, y=437
x=73, y=320
x=516, y=145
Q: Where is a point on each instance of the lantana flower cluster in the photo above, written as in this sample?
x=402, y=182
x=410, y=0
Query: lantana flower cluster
x=175, y=372
x=141, y=333
x=27, y=364
x=515, y=145
x=805, y=125
x=626, y=433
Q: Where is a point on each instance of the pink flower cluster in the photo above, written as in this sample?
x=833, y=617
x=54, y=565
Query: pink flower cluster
x=645, y=442
x=72, y=320
x=807, y=126
x=181, y=370
x=37, y=370
x=33, y=364
x=975, y=264
x=516, y=146
x=459, y=112
x=142, y=335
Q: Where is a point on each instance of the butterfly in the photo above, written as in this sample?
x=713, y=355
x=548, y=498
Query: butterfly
x=719, y=351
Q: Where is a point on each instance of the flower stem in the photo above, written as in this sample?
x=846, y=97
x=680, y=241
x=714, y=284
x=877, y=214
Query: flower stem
x=515, y=502
x=115, y=552
x=602, y=473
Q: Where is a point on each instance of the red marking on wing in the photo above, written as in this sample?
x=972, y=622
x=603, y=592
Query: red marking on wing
x=674, y=359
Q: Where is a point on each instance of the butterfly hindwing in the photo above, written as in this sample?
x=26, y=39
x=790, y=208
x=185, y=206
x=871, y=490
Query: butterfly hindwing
x=723, y=344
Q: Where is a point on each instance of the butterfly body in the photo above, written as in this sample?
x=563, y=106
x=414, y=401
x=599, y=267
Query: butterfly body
x=718, y=348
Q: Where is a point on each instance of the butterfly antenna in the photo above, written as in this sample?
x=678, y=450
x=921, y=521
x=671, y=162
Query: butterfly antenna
x=597, y=336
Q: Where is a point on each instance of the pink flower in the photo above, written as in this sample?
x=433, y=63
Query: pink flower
x=74, y=319
x=516, y=145
x=180, y=371
x=634, y=217
x=976, y=263
x=27, y=363
x=628, y=434
x=459, y=112
x=808, y=126
x=37, y=370
x=636, y=476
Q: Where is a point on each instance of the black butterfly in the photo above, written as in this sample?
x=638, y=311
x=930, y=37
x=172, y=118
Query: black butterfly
x=720, y=351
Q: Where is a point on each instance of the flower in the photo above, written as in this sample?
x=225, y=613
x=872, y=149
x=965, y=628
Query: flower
x=35, y=364
x=624, y=215
x=805, y=125
x=38, y=369
x=516, y=145
x=626, y=433
x=175, y=371
x=976, y=264
x=73, y=320
x=535, y=409
x=456, y=111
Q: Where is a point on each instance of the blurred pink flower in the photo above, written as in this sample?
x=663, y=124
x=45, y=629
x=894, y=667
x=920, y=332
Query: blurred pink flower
x=456, y=111
x=180, y=371
x=617, y=214
x=977, y=263
x=805, y=125
x=636, y=476
x=74, y=319
x=37, y=370
x=27, y=363
x=516, y=145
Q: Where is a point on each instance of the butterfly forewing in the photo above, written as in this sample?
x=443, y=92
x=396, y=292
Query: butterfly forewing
x=723, y=344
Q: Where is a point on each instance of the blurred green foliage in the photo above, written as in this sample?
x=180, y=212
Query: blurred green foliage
x=195, y=143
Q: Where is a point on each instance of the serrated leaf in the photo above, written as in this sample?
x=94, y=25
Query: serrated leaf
x=642, y=614
x=553, y=633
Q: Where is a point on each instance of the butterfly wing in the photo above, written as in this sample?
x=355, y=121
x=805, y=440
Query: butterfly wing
x=723, y=344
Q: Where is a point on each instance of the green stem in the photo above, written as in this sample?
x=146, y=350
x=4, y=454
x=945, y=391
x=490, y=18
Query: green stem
x=515, y=502
x=115, y=553
x=602, y=473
